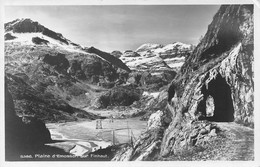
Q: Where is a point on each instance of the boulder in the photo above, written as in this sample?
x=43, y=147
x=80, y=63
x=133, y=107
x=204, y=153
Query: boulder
x=213, y=132
x=117, y=53
x=39, y=41
x=155, y=120
x=8, y=36
x=59, y=61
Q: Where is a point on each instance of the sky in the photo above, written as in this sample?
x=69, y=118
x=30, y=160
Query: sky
x=121, y=27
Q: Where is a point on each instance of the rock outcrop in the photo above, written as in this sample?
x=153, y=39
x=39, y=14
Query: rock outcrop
x=37, y=103
x=8, y=36
x=21, y=134
x=119, y=96
x=39, y=41
x=116, y=53
x=108, y=57
x=215, y=84
x=59, y=62
x=148, y=143
x=25, y=136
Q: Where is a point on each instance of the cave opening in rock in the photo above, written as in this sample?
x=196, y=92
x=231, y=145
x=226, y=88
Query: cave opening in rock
x=217, y=103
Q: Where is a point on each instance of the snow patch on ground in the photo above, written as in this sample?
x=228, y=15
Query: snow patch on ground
x=26, y=39
x=175, y=59
x=154, y=94
x=78, y=150
x=150, y=60
x=174, y=64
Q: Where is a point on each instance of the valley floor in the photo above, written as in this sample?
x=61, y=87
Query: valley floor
x=82, y=137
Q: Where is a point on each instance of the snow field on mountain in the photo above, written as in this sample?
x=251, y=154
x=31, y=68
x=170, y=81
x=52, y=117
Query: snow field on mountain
x=26, y=39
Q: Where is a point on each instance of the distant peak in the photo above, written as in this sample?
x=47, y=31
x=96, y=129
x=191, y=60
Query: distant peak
x=20, y=20
x=27, y=25
x=179, y=43
x=23, y=25
x=25, y=19
x=148, y=46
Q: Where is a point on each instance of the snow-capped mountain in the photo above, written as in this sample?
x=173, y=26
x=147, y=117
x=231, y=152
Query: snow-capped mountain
x=148, y=61
x=157, y=57
x=177, y=46
x=30, y=33
x=50, y=69
x=148, y=46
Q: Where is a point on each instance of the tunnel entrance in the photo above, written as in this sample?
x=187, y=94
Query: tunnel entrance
x=217, y=103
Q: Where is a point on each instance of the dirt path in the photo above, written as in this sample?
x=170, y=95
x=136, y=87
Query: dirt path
x=239, y=144
x=234, y=142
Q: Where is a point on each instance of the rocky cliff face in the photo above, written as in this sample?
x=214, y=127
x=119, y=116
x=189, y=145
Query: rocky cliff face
x=221, y=66
x=21, y=135
x=117, y=62
x=214, y=84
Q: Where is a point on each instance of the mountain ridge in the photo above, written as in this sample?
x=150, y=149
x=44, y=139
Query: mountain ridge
x=157, y=57
x=29, y=26
x=33, y=33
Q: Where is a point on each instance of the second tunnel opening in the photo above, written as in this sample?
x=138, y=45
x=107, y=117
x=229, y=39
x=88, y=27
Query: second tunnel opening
x=217, y=103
